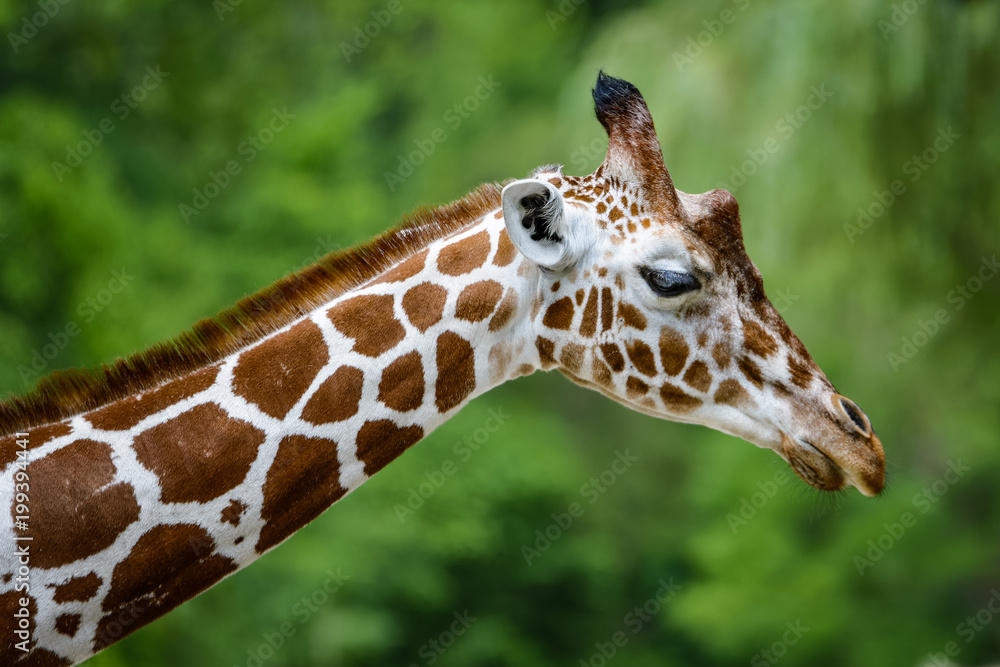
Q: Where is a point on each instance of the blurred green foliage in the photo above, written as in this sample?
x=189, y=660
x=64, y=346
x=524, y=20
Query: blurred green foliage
x=720, y=78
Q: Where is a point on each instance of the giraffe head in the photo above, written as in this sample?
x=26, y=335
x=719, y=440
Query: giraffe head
x=647, y=295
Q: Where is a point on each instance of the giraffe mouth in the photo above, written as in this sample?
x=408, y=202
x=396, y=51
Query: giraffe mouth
x=813, y=465
x=820, y=470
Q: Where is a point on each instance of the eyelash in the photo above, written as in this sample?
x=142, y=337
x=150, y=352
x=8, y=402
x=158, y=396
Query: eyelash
x=669, y=284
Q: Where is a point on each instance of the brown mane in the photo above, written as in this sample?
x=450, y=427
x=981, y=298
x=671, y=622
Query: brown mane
x=65, y=393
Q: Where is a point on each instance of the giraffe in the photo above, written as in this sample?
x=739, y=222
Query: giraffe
x=133, y=488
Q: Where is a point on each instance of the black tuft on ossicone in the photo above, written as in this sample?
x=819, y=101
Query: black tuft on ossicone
x=614, y=98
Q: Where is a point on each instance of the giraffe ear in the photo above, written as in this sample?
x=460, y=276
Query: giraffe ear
x=542, y=226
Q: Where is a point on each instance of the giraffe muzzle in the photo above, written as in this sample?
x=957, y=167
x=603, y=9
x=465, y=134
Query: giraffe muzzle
x=839, y=448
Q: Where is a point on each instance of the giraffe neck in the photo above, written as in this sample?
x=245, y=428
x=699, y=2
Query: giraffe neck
x=151, y=500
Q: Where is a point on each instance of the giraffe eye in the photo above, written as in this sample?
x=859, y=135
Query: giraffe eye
x=669, y=283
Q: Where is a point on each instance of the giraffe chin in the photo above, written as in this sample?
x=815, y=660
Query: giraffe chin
x=814, y=467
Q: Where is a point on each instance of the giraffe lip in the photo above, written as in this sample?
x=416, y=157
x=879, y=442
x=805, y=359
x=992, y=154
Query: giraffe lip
x=813, y=465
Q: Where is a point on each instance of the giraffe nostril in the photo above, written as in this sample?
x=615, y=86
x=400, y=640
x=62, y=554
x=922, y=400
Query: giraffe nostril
x=855, y=414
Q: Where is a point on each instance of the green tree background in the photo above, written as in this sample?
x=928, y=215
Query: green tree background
x=720, y=77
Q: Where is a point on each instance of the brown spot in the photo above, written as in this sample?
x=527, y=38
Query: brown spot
x=36, y=438
x=456, y=371
x=68, y=624
x=571, y=357
x=337, y=398
x=615, y=214
x=233, y=512
x=371, y=321
x=731, y=392
x=77, y=589
x=588, y=324
x=758, y=341
x=402, y=385
x=73, y=497
x=641, y=356
x=603, y=271
x=697, y=376
x=505, y=311
x=635, y=388
x=721, y=355
x=631, y=315
x=128, y=412
x=800, y=372
x=751, y=371
x=601, y=207
x=555, y=287
x=619, y=281
x=424, y=305
x=559, y=315
x=634, y=209
x=524, y=369
x=702, y=338
x=404, y=270
x=546, y=351
x=780, y=388
x=607, y=308
x=674, y=397
x=477, y=301
x=275, y=374
x=167, y=566
x=673, y=351
x=499, y=359
x=379, y=442
x=602, y=374
x=463, y=256
x=535, y=307
x=645, y=223
x=613, y=355
x=556, y=182
x=579, y=296
x=200, y=454
x=303, y=480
